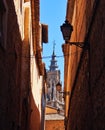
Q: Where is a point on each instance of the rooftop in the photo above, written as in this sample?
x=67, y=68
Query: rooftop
x=54, y=117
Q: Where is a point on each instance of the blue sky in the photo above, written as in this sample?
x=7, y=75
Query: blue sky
x=52, y=13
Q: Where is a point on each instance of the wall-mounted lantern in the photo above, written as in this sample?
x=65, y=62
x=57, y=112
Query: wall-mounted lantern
x=66, y=29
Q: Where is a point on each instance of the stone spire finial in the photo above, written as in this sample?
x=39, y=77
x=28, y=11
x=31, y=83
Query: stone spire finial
x=54, y=46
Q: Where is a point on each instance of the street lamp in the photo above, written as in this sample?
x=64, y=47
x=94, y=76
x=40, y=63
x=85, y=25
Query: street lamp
x=59, y=87
x=66, y=29
x=65, y=93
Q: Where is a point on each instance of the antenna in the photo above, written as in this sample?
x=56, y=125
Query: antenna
x=54, y=46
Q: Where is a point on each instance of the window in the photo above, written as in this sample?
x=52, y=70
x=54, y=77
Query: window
x=21, y=6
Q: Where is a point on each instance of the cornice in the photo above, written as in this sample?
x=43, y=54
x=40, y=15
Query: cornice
x=35, y=23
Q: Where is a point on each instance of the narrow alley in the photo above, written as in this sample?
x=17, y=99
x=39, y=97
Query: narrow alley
x=52, y=65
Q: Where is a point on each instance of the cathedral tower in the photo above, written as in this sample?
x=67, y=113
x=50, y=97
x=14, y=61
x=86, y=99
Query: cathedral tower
x=53, y=77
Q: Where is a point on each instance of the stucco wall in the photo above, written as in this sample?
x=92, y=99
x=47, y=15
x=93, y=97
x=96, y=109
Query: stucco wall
x=10, y=73
x=54, y=125
x=20, y=97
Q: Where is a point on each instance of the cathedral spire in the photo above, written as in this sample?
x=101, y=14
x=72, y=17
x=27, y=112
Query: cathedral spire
x=53, y=65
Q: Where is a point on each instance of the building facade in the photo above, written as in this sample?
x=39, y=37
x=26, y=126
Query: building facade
x=54, y=122
x=53, y=119
x=10, y=67
x=22, y=71
x=84, y=67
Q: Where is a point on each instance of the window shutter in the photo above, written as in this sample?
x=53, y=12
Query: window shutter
x=44, y=33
